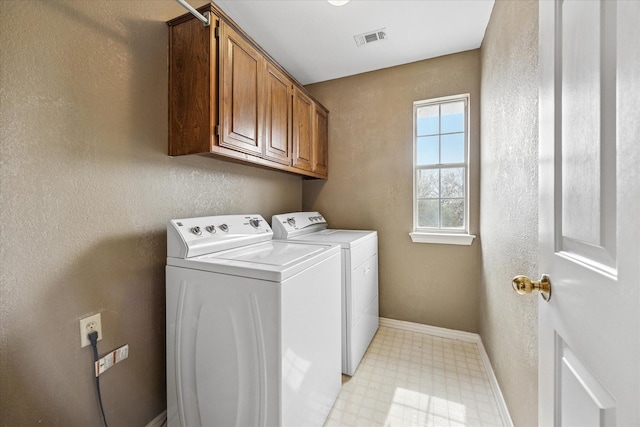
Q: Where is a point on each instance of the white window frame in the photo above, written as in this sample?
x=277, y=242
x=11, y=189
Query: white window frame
x=442, y=235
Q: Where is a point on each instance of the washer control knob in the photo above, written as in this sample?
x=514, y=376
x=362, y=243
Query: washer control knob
x=211, y=229
x=224, y=227
x=255, y=223
x=196, y=230
x=291, y=221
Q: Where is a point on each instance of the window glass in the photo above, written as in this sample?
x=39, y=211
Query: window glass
x=452, y=182
x=452, y=148
x=452, y=213
x=428, y=215
x=428, y=150
x=428, y=183
x=428, y=120
x=452, y=117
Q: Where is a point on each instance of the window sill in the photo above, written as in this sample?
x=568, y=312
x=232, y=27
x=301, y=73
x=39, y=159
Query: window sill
x=443, y=239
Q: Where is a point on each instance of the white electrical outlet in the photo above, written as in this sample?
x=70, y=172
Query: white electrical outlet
x=87, y=325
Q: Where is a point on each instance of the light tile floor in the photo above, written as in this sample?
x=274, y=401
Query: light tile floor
x=412, y=379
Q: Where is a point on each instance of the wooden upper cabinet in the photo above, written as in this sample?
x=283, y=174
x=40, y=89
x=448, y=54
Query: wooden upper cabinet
x=310, y=135
x=303, y=116
x=193, y=86
x=276, y=135
x=321, y=141
x=228, y=97
x=242, y=106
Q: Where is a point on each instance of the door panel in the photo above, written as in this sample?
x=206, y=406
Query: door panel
x=589, y=331
x=321, y=141
x=590, y=404
x=581, y=140
x=242, y=85
x=303, y=111
x=277, y=126
x=587, y=123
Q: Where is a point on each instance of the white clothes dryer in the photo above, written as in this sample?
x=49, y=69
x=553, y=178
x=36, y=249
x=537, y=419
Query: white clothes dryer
x=360, y=313
x=253, y=325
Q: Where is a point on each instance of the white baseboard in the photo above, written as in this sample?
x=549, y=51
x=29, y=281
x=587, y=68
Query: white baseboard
x=159, y=420
x=430, y=330
x=460, y=336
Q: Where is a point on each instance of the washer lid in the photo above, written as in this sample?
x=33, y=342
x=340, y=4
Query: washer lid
x=281, y=254
x=271, y=260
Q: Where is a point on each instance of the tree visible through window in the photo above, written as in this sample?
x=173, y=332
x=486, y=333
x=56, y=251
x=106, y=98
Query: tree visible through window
x=440, y=164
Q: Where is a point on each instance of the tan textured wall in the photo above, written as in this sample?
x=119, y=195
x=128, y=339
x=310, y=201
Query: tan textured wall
x=86, y=191
x=509, y=206
x=370, y=185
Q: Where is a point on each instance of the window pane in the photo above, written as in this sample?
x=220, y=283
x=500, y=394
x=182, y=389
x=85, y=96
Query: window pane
x=453, y=148
x=453, y=213
x=428, y=152
x=452, y=117
x=428, y=182
x=452, y=184
x=427, y=120
x=428, y=213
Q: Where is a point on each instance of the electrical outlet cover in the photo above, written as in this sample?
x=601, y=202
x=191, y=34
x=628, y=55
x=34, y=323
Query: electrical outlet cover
x=87, y=325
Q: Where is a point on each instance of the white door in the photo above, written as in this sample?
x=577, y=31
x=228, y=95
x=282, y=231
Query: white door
x=589, y=330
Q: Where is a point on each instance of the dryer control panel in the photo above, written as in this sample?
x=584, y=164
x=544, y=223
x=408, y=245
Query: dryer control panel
x=191, y=237
x=286, y=226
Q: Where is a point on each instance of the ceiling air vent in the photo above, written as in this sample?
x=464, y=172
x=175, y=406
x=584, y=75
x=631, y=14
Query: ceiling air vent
x=370, y=37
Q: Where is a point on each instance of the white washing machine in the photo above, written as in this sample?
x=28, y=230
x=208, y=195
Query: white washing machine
x=253, y=325
x=360, y=316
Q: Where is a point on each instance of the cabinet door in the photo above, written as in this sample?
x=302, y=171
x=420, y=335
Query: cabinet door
x=241, y=79
x=276, y=136
x=303, y=113
x=320, y=141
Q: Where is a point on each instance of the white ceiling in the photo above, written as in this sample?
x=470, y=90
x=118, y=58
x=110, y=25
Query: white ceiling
x=313, y=40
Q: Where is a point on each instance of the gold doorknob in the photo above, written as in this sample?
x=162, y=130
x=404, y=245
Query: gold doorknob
x=523, y=285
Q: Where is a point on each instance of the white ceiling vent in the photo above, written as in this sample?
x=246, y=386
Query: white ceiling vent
x=370, y=37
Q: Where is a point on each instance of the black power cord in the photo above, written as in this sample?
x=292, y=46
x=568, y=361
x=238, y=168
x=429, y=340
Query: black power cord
x=93, y=337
